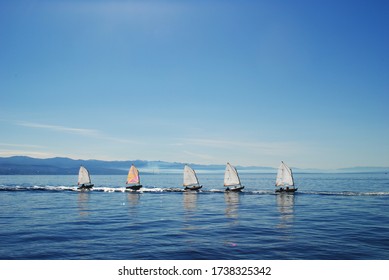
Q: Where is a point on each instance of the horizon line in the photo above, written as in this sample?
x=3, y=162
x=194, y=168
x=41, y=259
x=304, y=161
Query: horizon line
x=200, y=164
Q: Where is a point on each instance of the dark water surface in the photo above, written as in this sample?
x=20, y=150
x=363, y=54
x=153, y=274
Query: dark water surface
x=332, y=216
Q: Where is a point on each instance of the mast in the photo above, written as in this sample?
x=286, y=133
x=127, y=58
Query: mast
x=291, y=176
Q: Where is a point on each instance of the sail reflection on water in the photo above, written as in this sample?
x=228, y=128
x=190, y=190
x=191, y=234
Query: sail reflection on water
x=133, y=198
x=190, y=212
x=232, y=204
x=82, y=203
x=190, y=200
x=285, y=206
x=133, y=203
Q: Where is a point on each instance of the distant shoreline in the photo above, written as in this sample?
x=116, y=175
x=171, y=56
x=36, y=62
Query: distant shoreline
x=23, y=165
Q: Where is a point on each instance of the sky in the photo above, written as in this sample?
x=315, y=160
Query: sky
x=207, y=82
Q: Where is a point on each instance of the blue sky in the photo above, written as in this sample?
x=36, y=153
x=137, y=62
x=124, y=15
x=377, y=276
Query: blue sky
x=249, y=82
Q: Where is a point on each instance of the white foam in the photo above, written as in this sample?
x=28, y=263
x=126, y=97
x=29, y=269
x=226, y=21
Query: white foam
x=151, y=189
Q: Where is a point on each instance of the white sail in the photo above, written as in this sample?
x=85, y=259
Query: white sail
x=284, y=176
x=190, y=178
x=231, y=177
x=83, y=176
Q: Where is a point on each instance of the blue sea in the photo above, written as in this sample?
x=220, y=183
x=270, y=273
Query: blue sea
x=332, y=216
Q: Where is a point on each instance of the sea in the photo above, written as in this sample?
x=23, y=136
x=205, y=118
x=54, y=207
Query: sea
x=343, y=216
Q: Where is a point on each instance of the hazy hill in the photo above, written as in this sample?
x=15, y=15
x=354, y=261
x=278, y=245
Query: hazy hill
x=62, y=166
x=22, y=165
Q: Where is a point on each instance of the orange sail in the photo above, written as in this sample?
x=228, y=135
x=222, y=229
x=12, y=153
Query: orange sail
x=133, y=176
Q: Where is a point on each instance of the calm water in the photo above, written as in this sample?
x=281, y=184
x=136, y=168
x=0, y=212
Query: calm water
x=333, y=216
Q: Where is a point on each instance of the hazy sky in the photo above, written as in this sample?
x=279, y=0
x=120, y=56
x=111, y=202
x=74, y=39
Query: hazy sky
x=249, y=82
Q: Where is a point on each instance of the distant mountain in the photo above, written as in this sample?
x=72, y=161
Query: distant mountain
x=22, y=165
x=364, y=169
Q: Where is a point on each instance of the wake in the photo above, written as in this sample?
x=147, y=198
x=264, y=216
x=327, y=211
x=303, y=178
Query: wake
x=151, y=189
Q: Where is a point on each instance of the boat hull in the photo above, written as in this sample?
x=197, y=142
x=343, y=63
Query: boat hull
x=282, y=190
x=194, y=188
x=236, y=189
x=134, y=188
x=85, y=187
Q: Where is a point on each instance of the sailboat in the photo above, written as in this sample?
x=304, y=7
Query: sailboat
x=133, y=179
x=191, y=183
x=84, y=180
x=231, y=179
x=284, y=181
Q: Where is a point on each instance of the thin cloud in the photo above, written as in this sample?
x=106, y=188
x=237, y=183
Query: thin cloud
x=20, y=145
x=199, y=156
x=10, y=153
x=265, y=147
x=79, y=131
x=94, y=133
x=243, y=152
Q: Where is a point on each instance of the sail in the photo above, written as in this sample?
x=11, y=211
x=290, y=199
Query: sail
x=133, y=175
x=231, y=177
x=284, y=176
x=190, y=178
x=83, y=176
